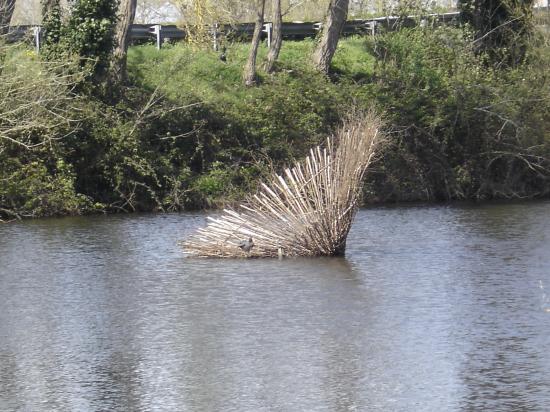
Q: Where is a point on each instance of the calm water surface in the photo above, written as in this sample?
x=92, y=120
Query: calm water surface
x=441, y=308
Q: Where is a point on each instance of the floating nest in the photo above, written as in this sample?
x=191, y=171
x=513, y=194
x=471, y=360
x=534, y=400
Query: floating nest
x=307, y=211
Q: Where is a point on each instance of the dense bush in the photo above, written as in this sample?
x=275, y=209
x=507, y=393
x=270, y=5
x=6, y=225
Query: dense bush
x=503, y=28
x=462, y=130
x=188, y=135
x=37, y=189
x=37, y=110
x=68, y=153
x=86, y=33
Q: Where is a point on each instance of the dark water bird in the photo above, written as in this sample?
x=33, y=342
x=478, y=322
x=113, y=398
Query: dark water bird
x=246, y=245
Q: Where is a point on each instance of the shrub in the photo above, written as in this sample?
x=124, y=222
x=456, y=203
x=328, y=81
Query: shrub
x=87, y=34
x=462, y=130
x=37, y=109
x=32, y=189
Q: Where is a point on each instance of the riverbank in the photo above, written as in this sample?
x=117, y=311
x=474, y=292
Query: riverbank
x=188, y=135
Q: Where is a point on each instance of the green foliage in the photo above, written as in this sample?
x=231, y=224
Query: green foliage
x=280, y=118
x=462, y=130
x=87, y=33
x=37, y=108
x=243, y=129
x=188, y=135
x=33, y=189
x=53, y=28
x=352, y=62
x=503, y=28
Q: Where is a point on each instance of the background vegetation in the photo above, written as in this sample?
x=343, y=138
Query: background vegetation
x=460, y=129
x=184, y=133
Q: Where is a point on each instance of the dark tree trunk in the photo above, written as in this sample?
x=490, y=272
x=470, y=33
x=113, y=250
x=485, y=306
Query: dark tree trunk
x=126, y=15
x=6, y=11
x=334, y=23
x=276, y=38
x=249, y=73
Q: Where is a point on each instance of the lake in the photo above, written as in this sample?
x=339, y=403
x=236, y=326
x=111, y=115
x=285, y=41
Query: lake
x=433, y=308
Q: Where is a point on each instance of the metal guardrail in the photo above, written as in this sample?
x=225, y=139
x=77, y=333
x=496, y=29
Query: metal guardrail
x=291, y=30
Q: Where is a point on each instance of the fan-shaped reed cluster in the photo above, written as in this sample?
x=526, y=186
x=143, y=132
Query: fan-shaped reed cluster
x=307, y=211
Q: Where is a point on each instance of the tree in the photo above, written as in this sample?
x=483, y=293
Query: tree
x=6, y=12
x=276, y=38
x=502, y=28
x=52, y=26
x=89, y=34
x=36, y=98
x=334, y=23
x=197, y=12
x=249, y=73
x=126, y=15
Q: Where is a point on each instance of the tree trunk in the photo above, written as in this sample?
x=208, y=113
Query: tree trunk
x=249, y=73
x=334, y=23
x=126, y=15
x=51, y=24
x=276, y=38
x=6, y=11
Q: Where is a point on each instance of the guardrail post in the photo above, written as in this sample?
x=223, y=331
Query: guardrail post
x=157, y=29
x=268, y=28
x=36, y=30
x=215, y=27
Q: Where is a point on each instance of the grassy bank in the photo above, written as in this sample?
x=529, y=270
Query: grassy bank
x=460, y=129
x=187, y=134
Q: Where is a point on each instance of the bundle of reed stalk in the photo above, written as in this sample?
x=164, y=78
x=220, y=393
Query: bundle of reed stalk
x=308, y=210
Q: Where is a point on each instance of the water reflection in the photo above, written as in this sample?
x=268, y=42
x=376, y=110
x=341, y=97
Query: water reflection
x=506, y=363
x=434, y=308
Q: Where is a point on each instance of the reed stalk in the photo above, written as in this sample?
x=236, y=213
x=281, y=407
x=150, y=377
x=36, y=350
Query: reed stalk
x=306, y=211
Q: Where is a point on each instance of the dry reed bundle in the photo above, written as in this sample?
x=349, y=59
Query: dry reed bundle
x=306, y=212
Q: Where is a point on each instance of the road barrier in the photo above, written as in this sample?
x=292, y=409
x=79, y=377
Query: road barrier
x=140, y=33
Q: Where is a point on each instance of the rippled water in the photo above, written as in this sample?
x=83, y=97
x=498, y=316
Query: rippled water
x=433, y=309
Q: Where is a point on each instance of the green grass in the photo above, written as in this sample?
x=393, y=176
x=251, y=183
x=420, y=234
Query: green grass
x=285, y=114
x=183, y=72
